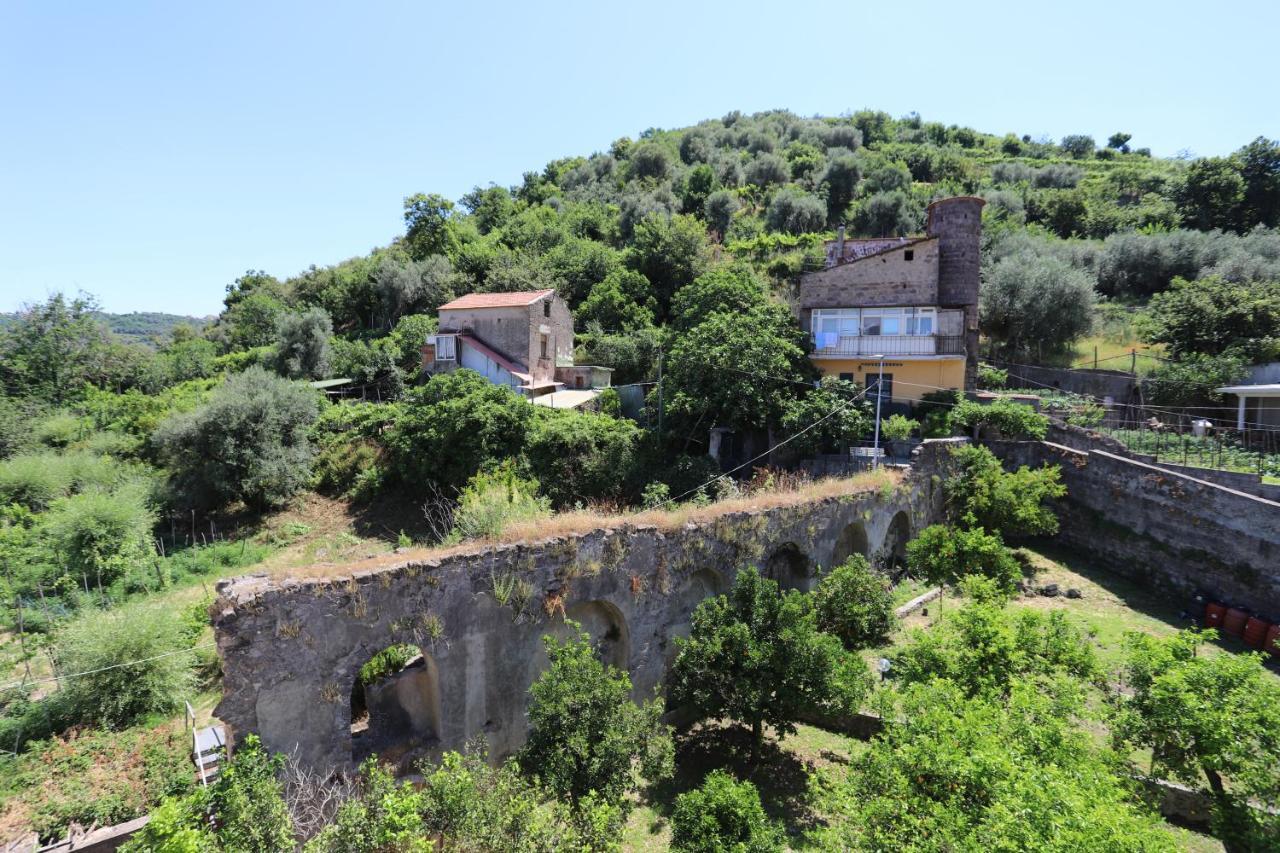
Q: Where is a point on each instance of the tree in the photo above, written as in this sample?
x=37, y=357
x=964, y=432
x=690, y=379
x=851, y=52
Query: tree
x=621, y=303
x=1002, y=416
x=670, y=253
x=411, y=287
x=722, y=815
x=650, y=160
x=1194, y=379
x=727, y=288
x=888, y=214
x=841, y=178
x=1260, y=169
x=251, y=319
x=1119, y=142
x=52, y=349
x=757, y=657
x=586, y=736
x=945, y=555
x=1080, y=146
x=103, y=536
x=581, y=456
x=454, y=426
x=1213, y=316
x=794, y=211
x=854, y=604
x=248, y=442
x=302, y=344
x=830, y=417
x=1209, y=720
x=1034, y=303
x=491, y=207
x=700, y=183
x=1212, y=194
x=429, y=226
x=719, y=209
x=768, y=170
x=979, y=493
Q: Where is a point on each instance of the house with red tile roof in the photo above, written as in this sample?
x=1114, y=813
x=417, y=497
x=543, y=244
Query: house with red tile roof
x=521, y=339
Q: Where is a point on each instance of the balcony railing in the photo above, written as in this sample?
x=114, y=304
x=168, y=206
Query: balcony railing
x=864, y=345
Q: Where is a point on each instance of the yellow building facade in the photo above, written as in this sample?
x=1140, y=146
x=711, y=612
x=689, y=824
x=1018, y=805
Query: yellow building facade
x=906, y=379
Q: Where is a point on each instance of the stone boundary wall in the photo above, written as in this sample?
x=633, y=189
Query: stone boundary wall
x=291, y=649
x=1163, y=528
x=1119, y=386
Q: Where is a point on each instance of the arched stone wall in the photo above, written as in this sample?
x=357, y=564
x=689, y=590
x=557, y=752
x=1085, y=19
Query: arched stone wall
x=789, y=566
x=852, y=540
x=893, y=551
x=404, y=719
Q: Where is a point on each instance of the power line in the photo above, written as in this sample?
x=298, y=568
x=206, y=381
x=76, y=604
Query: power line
x=25, y=682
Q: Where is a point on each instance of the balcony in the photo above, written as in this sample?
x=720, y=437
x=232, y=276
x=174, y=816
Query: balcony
x=852, y=346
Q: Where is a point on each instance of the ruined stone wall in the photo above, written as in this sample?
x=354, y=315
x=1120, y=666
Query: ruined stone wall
x=1164, y=529
x=291, y=648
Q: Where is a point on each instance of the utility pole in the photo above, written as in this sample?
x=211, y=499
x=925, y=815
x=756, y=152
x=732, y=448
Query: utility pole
x=879, y=397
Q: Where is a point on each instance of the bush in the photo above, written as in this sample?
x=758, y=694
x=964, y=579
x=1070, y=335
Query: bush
x=581, y=456
x=979, y=493
x=793, y=211
x=722, y=815
x=992, y=378
x=854, y=604
x=1003, y=417
x=944, y=555
x=492, y=501
x=248, y=443
x=1032, y=303
x=103, y=536
x=898, y=427
x=152, y=638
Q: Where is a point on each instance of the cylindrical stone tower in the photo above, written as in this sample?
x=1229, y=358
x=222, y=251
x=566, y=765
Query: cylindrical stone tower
x=957, y=223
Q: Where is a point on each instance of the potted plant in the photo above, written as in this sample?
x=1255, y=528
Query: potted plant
x=896, y=430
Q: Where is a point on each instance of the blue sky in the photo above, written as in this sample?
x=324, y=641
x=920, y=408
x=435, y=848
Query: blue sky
x=152, y=152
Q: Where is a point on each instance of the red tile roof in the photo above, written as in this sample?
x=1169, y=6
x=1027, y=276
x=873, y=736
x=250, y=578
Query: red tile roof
x=497, y=300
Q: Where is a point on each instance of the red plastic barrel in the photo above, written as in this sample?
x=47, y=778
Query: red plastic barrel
x=1255, y=632
x=1272, y=642
x=1233, y=622
x=1213, y=614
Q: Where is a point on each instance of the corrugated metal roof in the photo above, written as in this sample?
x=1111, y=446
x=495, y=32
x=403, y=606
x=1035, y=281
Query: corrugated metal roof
x=513, y=299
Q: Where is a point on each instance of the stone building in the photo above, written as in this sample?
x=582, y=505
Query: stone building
x=912, y=300
x=522, y=339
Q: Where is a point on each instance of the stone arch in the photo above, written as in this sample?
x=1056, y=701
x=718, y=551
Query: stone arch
x=852, y=540
x=604, y=624
x=396, y=715
x=893, y=552
x=789, y=566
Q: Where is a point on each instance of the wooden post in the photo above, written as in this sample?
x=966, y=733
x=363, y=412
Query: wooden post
x=1095, y=358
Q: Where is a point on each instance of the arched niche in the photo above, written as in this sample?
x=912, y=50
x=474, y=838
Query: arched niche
x=395, y=709
x=789, y=566
x=893, y=551
x=701, y=585
x=604, y=624
x=852, y=540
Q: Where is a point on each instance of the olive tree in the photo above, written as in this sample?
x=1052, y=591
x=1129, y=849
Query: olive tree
x=302, y=344
x=1031, y=303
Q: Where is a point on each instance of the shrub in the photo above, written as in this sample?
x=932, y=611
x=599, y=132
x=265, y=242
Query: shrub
x=1032, y=303
x=389, y=661
x=248, y=443
x=581, y=456
x=944, y=554
x=898, y=427
x=103, y=536
x=151, y=638
x=854, y=604
x=60, y=430
x=793, y=211
x=722, y=814
x=491, y=501
x=719, y=209
x=1007, y=419
x=992, y=378
x=980, y=493
x=585, y=734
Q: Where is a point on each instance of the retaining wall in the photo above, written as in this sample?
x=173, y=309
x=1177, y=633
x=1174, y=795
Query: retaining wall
x=291, y=649
x=1163, y=528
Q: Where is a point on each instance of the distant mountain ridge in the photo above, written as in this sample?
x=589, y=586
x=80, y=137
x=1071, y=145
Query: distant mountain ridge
x=143, y=327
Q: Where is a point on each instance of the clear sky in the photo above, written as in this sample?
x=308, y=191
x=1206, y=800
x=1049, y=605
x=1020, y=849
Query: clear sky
x=152, y=152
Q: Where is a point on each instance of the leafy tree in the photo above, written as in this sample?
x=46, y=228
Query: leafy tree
x=408, y=338
x=580, y=456
x=945, y=555
x=794, y=211
x=384, y=816
x=1002, y=416
x=491, y=207
x=886, y=176
x=457, y=424
x=840, y=416
x=409, y=287
x=1194, y=379
x=302, y=344
x=980, y=493
x=841, y=178
x=854, y=604
x=586, y=736
x=103, y=536
x=1212, y=194
x=1064, y=212
x=727, y=288
x=768, y=170
x=888, y=214
x=633, y=355
x=698, y=184
x=670, y=253
x=52, y=349
x=719, y=209
x=581, y=264
x=1031, y=303
x=959, y=773
x=1260, y=169
x=723, y=814
x=984, y=648
x=1214, y=316
x=1119, y=141
x=429, y=226
x=757, y=657
x=1209, y=720
x=248, y=442
x=650, y=160
x=252, y=320
x=1079, y=146
x=622, y=302
x=133, y=664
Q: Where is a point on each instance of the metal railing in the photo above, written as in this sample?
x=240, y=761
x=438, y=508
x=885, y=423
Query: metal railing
x=860, y=345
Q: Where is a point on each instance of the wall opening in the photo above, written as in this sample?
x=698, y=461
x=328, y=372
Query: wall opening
x=395, y=706
x=893, y=553
x=702, y=584
x=852, y=540
x=789, y=567
x=604, y=624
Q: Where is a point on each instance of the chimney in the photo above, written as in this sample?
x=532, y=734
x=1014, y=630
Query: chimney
x=840, y=243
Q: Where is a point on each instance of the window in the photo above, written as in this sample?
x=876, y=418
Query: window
x=543, y=342
x=846, y=377
x=445, y=349
x=546, y=308
x=922, y=322
x=880, y=384
x=909, y=255
x=882, y=321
